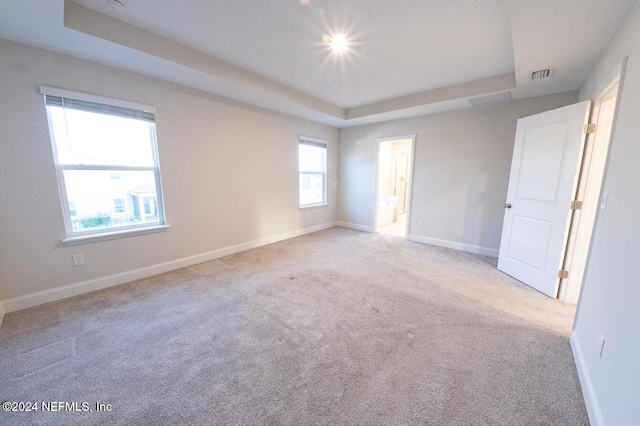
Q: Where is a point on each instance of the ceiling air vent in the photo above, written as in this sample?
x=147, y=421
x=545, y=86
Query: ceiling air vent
x=537, y=75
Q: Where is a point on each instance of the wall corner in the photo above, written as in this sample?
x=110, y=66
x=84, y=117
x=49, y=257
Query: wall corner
x=1, y=313
x=588, y=390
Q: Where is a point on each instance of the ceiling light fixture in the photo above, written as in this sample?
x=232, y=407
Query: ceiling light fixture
x=116, y=5
x=339, y=43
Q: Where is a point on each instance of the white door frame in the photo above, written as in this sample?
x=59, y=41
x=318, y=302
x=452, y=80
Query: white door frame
x=547, y=154
x=589, y=190
x=412, y=139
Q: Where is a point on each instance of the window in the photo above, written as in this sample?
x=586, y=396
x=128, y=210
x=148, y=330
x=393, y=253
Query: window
x=118, y=205
x=150, y=206
x=105, y=153
x=312, y=165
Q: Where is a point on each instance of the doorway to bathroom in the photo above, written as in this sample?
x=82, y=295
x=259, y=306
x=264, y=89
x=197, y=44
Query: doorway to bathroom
x=393, y=185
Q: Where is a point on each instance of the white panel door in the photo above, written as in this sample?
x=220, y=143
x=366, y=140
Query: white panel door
x=544, y=173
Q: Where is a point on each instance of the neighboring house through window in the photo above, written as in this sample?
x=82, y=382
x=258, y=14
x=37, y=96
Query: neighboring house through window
x=145, y=205
x=105, y=153
x=312, y=167
x=118, y=205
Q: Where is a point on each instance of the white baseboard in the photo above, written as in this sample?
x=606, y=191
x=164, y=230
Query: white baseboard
x=364, y=228
x=588, y=391
x=1, y=313
x=454, y=245
x=58, y=293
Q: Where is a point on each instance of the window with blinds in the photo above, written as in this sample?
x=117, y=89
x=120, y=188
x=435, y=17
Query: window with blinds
x=312, y=167
x=106, y=157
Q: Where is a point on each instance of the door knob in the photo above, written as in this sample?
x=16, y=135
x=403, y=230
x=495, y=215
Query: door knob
x=507, y=206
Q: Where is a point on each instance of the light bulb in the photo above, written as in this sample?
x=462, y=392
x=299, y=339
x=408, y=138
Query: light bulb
x=339, y=43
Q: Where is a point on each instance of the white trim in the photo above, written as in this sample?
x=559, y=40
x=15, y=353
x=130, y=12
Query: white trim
x=486, y=251
x=58, y=293
x=412, y=138
x=589, y=188
x=310, y=139
x=114, y=167
x=397, y=138
x=355, y=226
x=112, y=235
x=81, y=96
x=313, y=206
x=412, y=161
x=1, y=313
x=618, y=73
x=588, y=389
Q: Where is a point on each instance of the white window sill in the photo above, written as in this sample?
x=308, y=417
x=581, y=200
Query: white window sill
x=72, y=241
x=314, y=206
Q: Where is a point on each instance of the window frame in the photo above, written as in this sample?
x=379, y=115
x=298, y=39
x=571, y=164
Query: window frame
x=90, y=235
x=320, y=143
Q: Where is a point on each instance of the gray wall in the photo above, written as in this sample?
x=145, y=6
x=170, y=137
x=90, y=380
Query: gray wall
x=610, y=295
x=230, y=175
x=462, y=161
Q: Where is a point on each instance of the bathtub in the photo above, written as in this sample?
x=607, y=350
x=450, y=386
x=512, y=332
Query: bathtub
x=386, y=209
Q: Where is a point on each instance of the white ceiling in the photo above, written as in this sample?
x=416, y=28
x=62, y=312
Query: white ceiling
x=406, y=57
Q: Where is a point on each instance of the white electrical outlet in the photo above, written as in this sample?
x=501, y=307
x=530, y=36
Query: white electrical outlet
x=78, y=259
x=600, y=345
x=421, y=223
x=306, y=216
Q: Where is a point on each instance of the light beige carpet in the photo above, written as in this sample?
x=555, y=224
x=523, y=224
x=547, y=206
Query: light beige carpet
x=334, y=328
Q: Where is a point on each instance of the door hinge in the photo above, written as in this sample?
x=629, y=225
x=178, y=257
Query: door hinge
x=576, y=205
x=562, y=273
x=589, y=128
